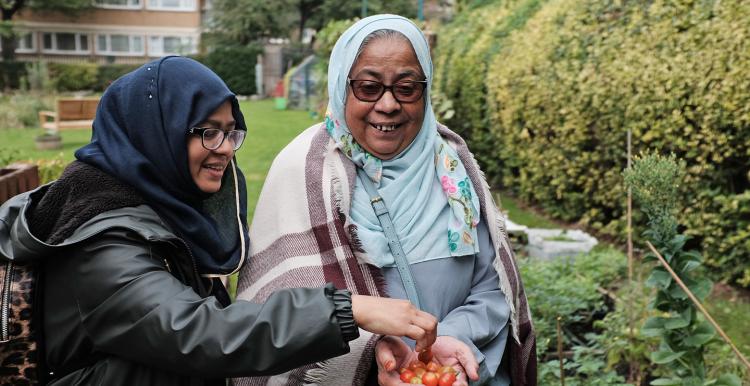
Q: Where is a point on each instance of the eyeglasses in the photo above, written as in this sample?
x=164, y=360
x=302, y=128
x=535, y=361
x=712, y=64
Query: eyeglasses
x=408, y=91
x=212, y=139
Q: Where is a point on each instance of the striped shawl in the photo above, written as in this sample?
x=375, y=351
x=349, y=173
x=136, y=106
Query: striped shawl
x=302, y=236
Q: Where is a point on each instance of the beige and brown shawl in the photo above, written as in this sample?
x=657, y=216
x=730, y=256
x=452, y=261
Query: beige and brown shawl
x=302, y=236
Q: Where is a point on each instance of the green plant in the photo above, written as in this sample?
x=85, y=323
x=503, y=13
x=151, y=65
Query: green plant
x=73, y=77
x=571, y=289
x=21, y=109
x=236, y=65
x=684, y=334
x=548, y=100
x=108, y=73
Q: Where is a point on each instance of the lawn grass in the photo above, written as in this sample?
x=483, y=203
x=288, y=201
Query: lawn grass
x=269, y=130
x=519, y=215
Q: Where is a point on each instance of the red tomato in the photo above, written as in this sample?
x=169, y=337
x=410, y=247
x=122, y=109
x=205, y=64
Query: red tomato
x=426, y=355
x=430, y=379
x=419, y=372
x=433, y=366
x=416, y=365
x=416, y=381
x=447, y=379
x=406, y=375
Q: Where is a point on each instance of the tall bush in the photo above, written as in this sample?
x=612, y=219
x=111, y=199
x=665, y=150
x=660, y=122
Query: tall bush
x=73, y=77
x=236, y=65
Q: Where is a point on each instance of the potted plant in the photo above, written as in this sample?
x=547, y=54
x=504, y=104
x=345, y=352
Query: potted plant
x=49, y=140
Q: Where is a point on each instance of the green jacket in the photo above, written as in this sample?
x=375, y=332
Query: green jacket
x=124, y=305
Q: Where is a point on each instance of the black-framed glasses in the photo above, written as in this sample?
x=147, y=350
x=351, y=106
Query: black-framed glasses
x=212, y=139
x=407, y=91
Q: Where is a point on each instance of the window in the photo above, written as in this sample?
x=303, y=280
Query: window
x=114, y=44
x=171, y=45
x=65, y=43
x=118, y=4
x=172, y=5
x=26, y=42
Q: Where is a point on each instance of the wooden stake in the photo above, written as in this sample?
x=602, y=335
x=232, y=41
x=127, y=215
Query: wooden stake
x=699, y=305
x=559, y=351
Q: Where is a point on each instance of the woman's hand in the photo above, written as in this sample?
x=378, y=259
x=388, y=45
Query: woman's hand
x=396, y=317
x=450, y=351
x=391, y=354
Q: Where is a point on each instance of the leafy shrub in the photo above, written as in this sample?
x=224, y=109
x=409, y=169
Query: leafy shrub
x=11, y=74
x=683, y=332
x=50, y=169
x=565, y=86
x=236, y=65
x=21, y=110
x=108, y=73
x=73, y=77
x=463, y=55
x=569, y=289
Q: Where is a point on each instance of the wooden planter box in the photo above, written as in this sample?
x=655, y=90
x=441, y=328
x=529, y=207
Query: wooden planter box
x=16, y=179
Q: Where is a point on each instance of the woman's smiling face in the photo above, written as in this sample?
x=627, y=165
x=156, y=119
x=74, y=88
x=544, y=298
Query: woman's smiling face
x=207, y=166
x=386, y=127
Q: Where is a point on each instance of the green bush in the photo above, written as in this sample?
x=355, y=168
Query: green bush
x=236, y=65
x=22, y=110
x=11, y=74
x=570, y=289
x=73, y=77
x=108, y=73
x=463, y=55
x=565, y=86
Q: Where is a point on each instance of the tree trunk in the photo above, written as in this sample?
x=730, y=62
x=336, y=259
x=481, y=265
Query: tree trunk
x=8, y=41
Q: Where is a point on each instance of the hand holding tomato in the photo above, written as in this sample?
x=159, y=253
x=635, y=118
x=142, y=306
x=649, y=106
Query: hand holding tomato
x=450, y=351
x=396, y=317
x=392, y=354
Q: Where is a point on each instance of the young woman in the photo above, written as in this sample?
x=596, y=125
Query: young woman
x=134, y=237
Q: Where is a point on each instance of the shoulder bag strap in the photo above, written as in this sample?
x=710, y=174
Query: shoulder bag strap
x=390, y=234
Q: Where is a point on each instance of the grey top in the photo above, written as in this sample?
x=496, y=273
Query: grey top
x=464, y=294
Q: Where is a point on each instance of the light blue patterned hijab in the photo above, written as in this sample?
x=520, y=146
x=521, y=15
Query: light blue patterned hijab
x=429, y=196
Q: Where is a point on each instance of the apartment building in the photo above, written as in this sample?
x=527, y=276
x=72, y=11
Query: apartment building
x=113, y=31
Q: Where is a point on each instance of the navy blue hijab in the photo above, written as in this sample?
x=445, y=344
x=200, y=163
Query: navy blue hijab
x=140, y=137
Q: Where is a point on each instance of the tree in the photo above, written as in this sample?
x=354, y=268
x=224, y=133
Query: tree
x=244, y=21
x=11, y=7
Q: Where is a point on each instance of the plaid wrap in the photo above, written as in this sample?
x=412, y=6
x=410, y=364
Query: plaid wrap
x=302, y=236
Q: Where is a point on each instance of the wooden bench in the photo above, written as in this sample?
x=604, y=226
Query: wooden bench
x=72, y=113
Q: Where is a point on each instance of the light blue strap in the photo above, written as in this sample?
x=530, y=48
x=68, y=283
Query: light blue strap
x=390, y=234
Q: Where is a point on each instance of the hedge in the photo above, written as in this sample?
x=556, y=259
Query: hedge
x=236, y=65
x=462, y=59
x=564, y=88
x=11, y=74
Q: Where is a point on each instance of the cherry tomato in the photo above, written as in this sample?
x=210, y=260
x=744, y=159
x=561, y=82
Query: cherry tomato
x=447, y=379
x=406, y=375
x=430, y=379
x=416, y=365
x=446, y=369
x=402, y=370
x=426, y=355
x=433, y=366
x=419, y=372
x=416, y=381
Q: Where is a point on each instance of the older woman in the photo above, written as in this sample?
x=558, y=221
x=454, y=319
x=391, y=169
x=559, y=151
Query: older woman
x=315, y=221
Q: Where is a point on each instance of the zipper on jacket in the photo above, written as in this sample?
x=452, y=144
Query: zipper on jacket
x=5, y=303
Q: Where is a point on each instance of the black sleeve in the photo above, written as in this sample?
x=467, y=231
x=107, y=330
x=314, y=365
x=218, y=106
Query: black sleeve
x=131, y=307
